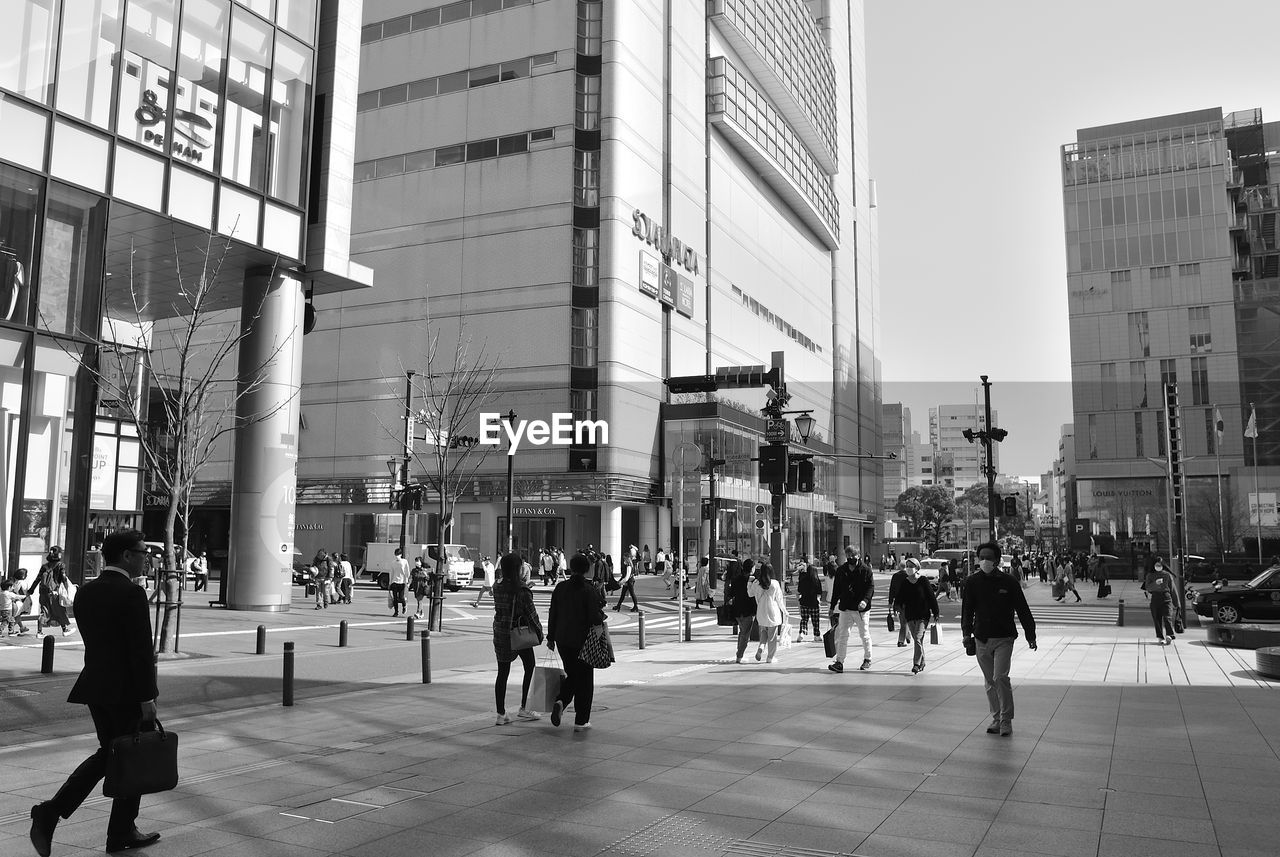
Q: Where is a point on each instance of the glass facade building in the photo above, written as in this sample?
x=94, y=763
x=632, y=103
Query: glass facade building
x=135, y=130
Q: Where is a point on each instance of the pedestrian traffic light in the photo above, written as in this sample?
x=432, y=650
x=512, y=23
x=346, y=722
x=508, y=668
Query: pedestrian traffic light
x=1011, y=506
x=804, y=476
x=762, y=516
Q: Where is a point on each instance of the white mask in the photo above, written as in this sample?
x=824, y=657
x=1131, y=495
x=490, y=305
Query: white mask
x=1159, y=567
x=987, y=565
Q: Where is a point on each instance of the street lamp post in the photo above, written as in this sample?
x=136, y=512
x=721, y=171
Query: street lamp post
x=408, y=453
x=509, y=418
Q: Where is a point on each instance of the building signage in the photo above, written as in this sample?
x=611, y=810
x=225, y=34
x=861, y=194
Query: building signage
x=669, y=286
x=186, y=124
x=650, y=274
x=1081, y=534
x=533, y=512
x=1270, y=515
x=308, y=526
x=672, y=249
x=684, y=296
x=777, y=431
x=102, y=478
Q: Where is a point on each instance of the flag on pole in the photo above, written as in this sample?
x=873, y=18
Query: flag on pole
x=1251, y=430
x=1218, y=425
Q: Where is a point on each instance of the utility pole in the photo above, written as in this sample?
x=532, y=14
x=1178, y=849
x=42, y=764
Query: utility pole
x=408, y=454
x=987, y=436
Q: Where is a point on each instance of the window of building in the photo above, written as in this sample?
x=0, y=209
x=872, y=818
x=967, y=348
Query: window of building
x=482, y=150
x=584, y=345
x=298, y=17
x=392, y=166
x=1138, y=381
x=19, y=217
x=1139, y=446
x=290, y=112
x=416, y=161
x=589, y=27
x=586, y=178
x=1198, y=327
x=1189, y=270
x=446, y=155
x=1160, y=273
x=75, y=230
x=455, y=12
x=453, y=82
x=583, y=404
x=390, y=95
x=587, y=103
x=367, y=101
x=28, y=44
x=1139, y=335
x=1160, y=434
x=425, y=19
x=142, y=106
x=516, y=69
x=1199, y=380
x=542, y=134
x=1109, y=389
x=1168, y=373
x=85, y=64
x=249, y=57
x=1093, y=435
x=513, y=145
x=484, y=75
x=396, y=26
x=540, y=60
x=585, y=258
x=1121, y=276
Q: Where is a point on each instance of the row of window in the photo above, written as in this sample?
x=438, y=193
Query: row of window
x=764, y=312
x=1150, y=206
x=455, y=153
x=1199, y=332
x=1164, y=272
x=730, y=93
x=787, y=37
x=1091, y=163
x=1141, y=445
x=437, y=17
x=1116, y=394
x=458, y=81
x=585, y=242
x=1205, y=238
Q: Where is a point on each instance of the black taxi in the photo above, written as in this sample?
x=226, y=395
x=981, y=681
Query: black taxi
x=1255, y=601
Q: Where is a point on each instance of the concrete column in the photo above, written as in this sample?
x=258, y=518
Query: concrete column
x=649, y=528
x=264, y=483
x=611, y=532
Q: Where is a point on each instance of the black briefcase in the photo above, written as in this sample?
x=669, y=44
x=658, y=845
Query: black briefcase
x=829, y=642
x=142, y=763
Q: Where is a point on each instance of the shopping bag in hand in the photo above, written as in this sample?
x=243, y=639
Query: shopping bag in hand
x=544, y=689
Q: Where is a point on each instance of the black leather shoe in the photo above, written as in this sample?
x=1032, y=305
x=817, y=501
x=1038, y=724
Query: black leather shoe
x=44, y=818
x=130, y=841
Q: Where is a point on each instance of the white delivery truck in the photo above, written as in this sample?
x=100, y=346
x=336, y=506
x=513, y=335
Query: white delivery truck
x=380, y=557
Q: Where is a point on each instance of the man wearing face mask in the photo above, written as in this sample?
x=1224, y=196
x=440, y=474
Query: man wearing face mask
x=1160, y=587
x=991, y=600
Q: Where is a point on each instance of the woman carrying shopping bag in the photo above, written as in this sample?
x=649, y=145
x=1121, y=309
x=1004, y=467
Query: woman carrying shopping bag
x=577, y=607
x=516, y=631
x=771, y=609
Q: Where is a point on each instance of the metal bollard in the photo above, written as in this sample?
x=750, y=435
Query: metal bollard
x=46, y=656
x=426, y=656
x=640, y=627
x=408, y=629
x=688, y=625
x=262, y=640
x=342, y=634
x=1120, y=614
x=288, y=675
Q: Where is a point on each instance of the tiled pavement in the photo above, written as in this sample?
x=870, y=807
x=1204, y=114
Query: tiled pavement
x=1121, y=749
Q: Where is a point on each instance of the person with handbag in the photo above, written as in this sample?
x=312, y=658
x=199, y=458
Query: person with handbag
x=919, y=607
x=516, y=631
x=577, y=607
x=118, y=684
x=628, y=584
x=771, y=609
x=702, y=588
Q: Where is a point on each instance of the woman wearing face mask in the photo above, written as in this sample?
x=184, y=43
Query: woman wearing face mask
x=1160, y=586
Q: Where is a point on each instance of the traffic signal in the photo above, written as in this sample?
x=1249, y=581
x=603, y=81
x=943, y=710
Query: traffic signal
x=773, y=463
x=804, y=476
x=762, y=517
x=1011, y=506
x=691, y=384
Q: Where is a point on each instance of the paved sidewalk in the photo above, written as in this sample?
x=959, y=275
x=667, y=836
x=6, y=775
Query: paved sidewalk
x=1120, y=748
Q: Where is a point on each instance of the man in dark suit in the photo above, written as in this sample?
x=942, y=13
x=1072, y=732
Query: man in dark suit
x=118, y=683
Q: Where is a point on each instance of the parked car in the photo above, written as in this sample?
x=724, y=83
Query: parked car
x=1258, y=600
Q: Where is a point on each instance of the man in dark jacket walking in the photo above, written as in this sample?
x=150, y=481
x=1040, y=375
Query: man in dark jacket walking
x=118, y=683
x=851, y=594
x=991, y=600
x=896, y=583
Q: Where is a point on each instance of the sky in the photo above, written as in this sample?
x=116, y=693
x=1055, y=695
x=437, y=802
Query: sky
x=969, y=103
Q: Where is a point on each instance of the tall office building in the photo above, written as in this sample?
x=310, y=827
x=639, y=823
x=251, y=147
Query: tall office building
x=606, y=194
x=957, y=462
x=896, y=423
x=1173, y=276
x=133, y=131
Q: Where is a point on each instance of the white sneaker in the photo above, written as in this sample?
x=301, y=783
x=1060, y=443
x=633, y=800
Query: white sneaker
x=773, y=660
x=583, y=727
x=526, y=714
x=502, y=720
x=68, y=632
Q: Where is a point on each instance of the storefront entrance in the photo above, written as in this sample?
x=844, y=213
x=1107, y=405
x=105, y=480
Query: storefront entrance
x=529, y=535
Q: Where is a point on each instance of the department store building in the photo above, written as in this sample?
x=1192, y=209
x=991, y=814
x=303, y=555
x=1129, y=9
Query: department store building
x=601, y=195
x=133, y=131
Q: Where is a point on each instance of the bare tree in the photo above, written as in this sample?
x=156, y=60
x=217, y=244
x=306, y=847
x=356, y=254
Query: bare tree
x=450, y=395
x=165, y=364
x=1220, y=529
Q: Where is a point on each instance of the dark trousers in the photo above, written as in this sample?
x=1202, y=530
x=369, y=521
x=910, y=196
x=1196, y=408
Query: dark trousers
x=578, y=686
x=1162, y=617
x=110, y=721
x=397, y=596
x=504, y=672
x=628, y=588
